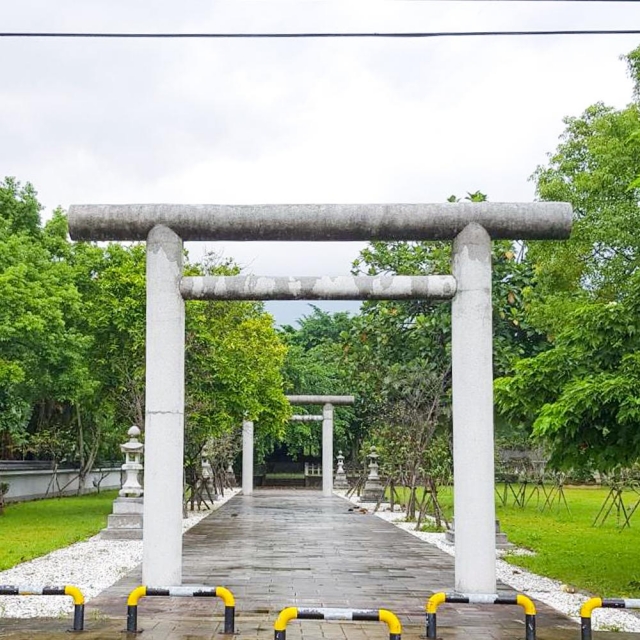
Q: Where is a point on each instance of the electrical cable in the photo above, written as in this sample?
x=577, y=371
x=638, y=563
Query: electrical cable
x=522, y=1
x=401, y=34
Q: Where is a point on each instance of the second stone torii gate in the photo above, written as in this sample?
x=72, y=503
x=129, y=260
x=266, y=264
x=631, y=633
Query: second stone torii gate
x=327, y=402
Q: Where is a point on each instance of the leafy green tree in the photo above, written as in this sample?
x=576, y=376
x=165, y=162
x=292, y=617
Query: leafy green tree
x=411, y=433
x=313, y=365
x=233, y=371
x=595, y=168
x=111, y=281
x=43, y=367
x=581, y=396
x=72, y=346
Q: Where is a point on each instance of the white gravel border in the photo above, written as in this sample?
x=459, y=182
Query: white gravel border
x=92, y=566
x=545, y=590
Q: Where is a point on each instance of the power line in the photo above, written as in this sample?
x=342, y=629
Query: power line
x=522, y=1
x=414, y=34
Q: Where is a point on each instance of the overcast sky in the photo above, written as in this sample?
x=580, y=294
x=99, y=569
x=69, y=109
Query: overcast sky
x=304, y=121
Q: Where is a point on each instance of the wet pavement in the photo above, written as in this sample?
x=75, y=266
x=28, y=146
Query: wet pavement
x=295, y=548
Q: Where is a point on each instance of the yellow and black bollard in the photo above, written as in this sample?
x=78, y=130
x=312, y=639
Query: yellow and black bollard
x=66, y=590
x=586, y=610
x=181, y=592
x=356, y=615
x=460, y=598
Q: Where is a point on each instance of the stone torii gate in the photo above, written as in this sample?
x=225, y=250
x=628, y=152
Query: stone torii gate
x=327, y=402
x=471, y=226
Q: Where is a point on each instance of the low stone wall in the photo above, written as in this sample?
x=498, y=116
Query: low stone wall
x=32, y=484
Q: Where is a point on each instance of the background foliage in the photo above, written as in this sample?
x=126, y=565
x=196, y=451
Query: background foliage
x=72, y=330
x=566, y=340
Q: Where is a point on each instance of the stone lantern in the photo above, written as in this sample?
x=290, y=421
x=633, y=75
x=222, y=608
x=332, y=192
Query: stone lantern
x=340, y=481
x=206, y=470
x=132, y=466
x=125, y=523
x=231, y=476
x=373, y=490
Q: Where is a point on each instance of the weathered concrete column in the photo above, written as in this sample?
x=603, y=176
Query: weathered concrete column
x=472, y=371
x=327, y=450
x=247, y=457
x=164, y=421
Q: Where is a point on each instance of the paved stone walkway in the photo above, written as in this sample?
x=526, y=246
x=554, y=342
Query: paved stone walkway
x=296, y=548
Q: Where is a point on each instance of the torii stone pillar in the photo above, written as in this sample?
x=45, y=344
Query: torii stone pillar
x=247, y=457
x=470, y=224
x=472, y=373
x=327, y=450
x=164, y=406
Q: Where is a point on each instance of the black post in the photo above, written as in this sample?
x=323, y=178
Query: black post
x=431, y=625
x=132, y=618
x=530, y=625
x=229, y=619
x=78, y=617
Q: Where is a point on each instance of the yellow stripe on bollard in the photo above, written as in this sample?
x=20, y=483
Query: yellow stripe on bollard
x=227, y=596
x=435, y=601
x=587, y=608
x=392, y=621
x=135, y=595
x=75, y=593
x=527, y=604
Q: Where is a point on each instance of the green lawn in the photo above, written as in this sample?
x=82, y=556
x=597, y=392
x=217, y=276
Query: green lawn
x=32, y=529
x=604, y=560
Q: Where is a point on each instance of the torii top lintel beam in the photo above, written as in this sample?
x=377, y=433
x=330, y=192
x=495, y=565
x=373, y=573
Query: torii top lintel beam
x=335, y=400
x=322, y=222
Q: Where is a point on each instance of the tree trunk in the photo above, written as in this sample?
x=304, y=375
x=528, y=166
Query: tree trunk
x=86, y=462
x=4, y=488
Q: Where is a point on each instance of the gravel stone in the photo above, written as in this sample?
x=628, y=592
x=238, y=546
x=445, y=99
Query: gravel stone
x=92, y=566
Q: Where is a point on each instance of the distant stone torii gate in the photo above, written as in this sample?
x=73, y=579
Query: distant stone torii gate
x=470, y=225
x=327, y=402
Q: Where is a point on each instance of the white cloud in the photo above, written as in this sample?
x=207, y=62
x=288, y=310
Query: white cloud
x=296, y=121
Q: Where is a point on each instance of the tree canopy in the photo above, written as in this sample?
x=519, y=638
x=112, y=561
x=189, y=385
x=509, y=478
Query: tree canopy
x=313, y=365
x=72, y=357
x=581, y=397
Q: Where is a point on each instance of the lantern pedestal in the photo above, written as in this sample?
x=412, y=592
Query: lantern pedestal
x=125, y=523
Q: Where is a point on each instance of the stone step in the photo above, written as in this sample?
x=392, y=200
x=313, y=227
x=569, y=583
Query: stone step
x=124, y=521
x=121, y=534
x=128, y=505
